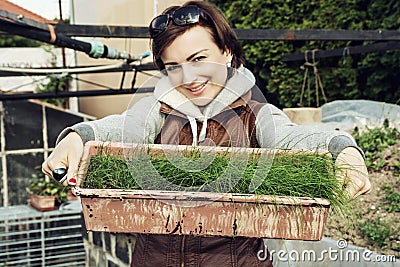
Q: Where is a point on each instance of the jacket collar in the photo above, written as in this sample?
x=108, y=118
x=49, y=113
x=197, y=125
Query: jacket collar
x=236, y=92
x=242, y=101
x=238, y=85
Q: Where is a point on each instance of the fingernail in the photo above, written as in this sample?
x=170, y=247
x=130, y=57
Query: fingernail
x=72, y=181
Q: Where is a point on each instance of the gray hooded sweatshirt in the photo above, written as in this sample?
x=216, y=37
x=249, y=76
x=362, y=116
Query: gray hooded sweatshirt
x=142, y=122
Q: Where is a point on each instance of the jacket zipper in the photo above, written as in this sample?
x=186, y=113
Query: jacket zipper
x=183, y=252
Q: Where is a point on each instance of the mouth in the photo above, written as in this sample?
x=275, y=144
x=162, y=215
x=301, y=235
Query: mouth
x=198, y=89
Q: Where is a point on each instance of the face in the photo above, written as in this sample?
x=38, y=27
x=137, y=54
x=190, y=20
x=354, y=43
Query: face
x=196, y=66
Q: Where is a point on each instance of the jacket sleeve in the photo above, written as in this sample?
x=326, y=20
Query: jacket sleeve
x=275, y=130
x=139, y=124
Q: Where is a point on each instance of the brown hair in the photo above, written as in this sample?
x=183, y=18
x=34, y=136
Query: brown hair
x=221, y=31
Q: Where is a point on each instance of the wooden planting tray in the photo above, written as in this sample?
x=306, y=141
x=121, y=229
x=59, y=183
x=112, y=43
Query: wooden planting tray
x=42, y=203
x=198, y=213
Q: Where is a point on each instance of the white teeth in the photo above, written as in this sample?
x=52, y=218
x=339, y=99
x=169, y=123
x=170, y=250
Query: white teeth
x=199, y=88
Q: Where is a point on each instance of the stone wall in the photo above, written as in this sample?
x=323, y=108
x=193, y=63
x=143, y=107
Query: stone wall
x=108, y=249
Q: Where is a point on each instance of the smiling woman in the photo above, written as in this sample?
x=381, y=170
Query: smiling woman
x=203, y=97
x=200, y=71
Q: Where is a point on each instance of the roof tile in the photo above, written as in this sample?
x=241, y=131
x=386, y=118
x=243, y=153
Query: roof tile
x=15, y=9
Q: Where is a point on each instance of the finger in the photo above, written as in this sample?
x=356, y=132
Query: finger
x=53, y=167
x=352, y=191
x=72, y=181
x=364, y=190
x=353, y=187
x=60, y=174
x=367, y=187
x=359, y=185
x=46, y=169
x=72, y=175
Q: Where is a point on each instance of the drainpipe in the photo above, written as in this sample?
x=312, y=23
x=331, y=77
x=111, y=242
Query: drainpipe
x=3, y=157
x=155, y=8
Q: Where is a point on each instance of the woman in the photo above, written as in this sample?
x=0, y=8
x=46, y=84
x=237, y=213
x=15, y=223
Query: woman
x=204, y=98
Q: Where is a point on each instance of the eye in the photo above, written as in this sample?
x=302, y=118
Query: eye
x=199, y=58
x=173, y=68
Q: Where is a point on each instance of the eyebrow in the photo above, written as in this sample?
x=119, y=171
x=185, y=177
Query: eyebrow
x=188, y=58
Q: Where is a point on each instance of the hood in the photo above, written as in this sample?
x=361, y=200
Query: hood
x=241, y=82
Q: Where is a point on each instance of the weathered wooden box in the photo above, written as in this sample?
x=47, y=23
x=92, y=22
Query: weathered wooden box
x=198, y=213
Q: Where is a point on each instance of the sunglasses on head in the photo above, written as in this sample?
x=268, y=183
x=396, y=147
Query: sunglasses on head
x=182, y=16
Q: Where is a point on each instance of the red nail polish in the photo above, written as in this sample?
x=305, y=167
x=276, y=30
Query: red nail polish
x=72, y=180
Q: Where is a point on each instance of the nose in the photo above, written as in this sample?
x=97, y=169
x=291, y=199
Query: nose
x=189, y=74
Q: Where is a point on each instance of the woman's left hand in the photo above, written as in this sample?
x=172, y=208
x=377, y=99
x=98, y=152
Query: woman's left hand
x=353, y=172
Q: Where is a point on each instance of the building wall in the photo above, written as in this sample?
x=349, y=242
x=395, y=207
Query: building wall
x=117, y=13
x=29, y=57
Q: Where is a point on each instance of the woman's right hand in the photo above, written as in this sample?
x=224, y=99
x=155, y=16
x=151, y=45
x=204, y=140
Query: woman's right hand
x=67, y=154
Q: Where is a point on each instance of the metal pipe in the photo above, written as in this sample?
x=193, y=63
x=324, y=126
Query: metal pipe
x=94, y=49
x=44, y=36
x=85, y=93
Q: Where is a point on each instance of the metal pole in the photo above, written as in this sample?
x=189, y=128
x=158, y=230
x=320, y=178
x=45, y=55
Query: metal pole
x=64, y=61
x=3, y=157
x=42, y=241
x=75, y=94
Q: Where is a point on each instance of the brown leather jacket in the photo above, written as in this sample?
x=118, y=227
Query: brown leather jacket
x=234, y=126
x=197, y=251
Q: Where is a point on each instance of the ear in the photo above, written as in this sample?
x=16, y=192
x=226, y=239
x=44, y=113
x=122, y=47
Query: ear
x=228, y=56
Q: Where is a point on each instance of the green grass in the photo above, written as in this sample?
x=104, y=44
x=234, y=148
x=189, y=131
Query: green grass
x=379, y=232
x=391, y=200
x=374, y=140
x=294, y=174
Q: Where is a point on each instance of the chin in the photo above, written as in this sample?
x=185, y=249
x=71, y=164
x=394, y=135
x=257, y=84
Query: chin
x=201, y=102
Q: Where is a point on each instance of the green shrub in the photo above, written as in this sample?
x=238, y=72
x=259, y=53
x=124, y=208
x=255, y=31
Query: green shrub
x=378, y=232
x=372, y=76
x=374, y=140
x=391, y=200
